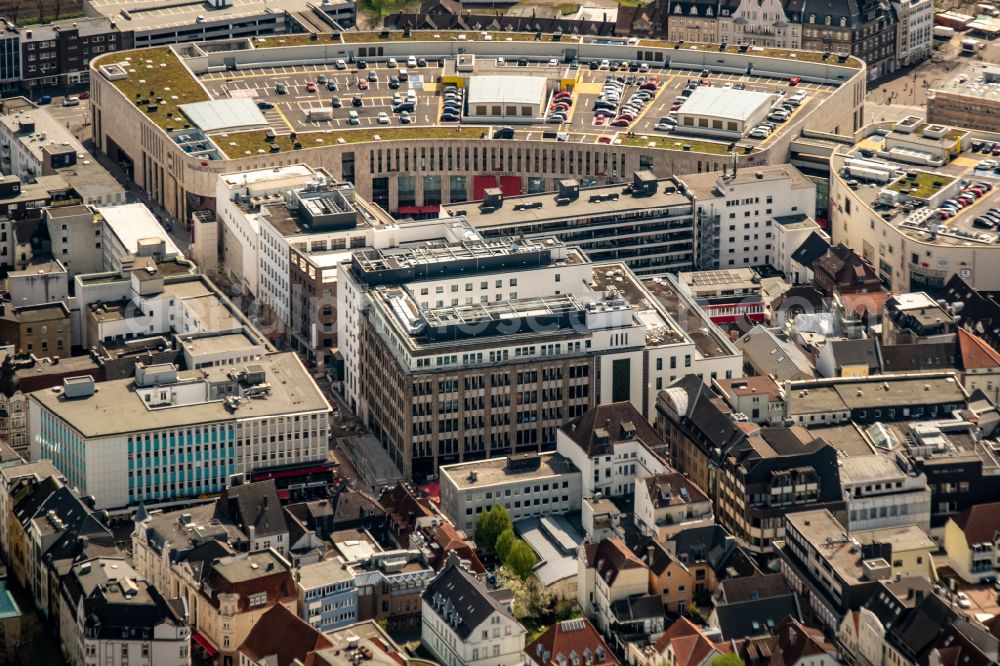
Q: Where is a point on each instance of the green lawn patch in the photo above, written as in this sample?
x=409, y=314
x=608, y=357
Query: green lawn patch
x=151, y=80
x=676, y=143
x=238, y=144
x=923, y=186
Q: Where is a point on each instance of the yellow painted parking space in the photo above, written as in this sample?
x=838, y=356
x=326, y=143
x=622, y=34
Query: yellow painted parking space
x=284, y=118
x=964, y=161
x=589, y=88
x=869, y=144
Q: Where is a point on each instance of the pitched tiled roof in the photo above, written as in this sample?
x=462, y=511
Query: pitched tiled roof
x=980, y=522
x=600, y=428
x=755, y=618
x=920, y=628
x=564, y=639
x=284, y=637
x=979, y=311
x=460, y=599
x=855, y=352
x=919, y=356
x=672, y=489
x=253, y=505
x=793, y=642
x=812, y=248
x=690, y=646
x=869, y=303
x=748, y=588
x=772, y=353
x=449, y=540
x=975, y=351
x=610, y=557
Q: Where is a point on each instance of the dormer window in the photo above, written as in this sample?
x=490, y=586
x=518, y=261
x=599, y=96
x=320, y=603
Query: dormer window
x=843, y=21
x=812, y=18
x=827, y=20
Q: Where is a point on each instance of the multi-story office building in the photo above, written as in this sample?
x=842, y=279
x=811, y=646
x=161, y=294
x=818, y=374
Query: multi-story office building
x=59, y=54
x=167, y=434
x=647, y=224
x=956, y=100
x=389, y=586
x=155, y=25
x=10, y=57
x=765, y=24
x=866, y=29
x=614, y=447
x=283, y=232
x=741, y=214
x=880, y=494
x=527, y=485
x=914, y=30
x=328, y=597
x=461, y=348
x=756, y=475
x=837, y=570
x=107, y=614
x=34, y=144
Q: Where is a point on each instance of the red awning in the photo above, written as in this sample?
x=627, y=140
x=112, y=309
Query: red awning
x=433, y=491
x=205, y=643
x=414, y=210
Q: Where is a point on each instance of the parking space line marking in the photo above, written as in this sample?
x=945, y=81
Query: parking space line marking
x=284, y=119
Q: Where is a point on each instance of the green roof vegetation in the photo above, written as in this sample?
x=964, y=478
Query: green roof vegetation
x=238, y=144
x=676, y=143
x=790, y=54
x=429, y=35
x=952, y=134
x=151, y=80
x=923, y=186
x=502, y=35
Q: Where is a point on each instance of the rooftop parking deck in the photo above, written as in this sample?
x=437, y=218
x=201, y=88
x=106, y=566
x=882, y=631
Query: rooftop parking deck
x=335, y=103
x=921, y=190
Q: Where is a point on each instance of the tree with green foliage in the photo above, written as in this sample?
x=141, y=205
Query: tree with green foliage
x=503, y=544
x=521, y=559
x=727, y=660
x=491, y=525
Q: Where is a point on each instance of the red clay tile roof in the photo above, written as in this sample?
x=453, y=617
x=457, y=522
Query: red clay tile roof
x=690, y=646
x=976, y=352
x=600, y=428
x=870, y=303
x=448, y=538
x=609, y=557
x=566, y=637
x=284, y=634
x=980, y=522
x=793, y=641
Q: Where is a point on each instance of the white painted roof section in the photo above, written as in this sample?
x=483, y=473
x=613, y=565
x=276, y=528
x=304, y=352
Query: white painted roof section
x=725, y=103
x=506, y=89
x=224, y=114
x=134, y=222
x=914, y=300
